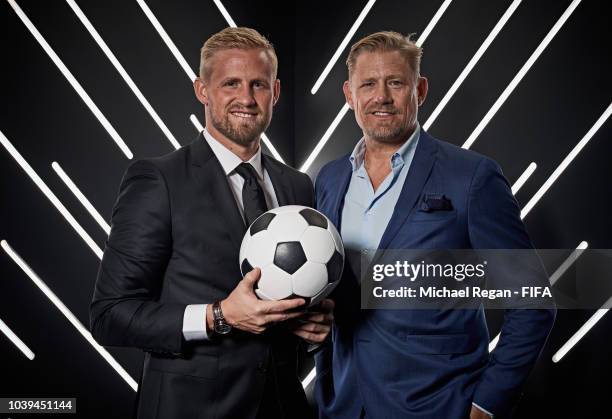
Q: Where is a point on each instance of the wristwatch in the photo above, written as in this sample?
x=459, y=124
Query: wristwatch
x=220, y=325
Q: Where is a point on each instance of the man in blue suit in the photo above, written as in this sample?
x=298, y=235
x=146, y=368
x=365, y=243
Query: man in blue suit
x=416, y=363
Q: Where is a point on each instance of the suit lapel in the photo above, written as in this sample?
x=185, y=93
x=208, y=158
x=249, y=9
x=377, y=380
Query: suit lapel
x=285, y=195
x=421, y=166
x=210, y=175
x=344, y=178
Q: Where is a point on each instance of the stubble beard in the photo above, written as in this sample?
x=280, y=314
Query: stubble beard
x=241, y=133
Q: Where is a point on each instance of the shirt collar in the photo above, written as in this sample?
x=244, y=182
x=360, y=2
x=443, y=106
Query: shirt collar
x=397, y=159
x=229, y=161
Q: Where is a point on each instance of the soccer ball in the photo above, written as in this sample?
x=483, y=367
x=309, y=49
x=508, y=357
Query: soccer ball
x=299, y=252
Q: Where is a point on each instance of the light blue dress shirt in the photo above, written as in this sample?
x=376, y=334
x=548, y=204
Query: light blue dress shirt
x=366, y=212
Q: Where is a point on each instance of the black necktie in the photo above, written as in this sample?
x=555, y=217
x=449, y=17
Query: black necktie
x=253, y=197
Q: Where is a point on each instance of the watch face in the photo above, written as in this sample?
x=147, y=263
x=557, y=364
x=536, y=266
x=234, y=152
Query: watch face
x=222, y=328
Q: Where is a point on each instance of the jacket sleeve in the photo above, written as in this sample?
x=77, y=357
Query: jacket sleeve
x=494, y=223
x=125, y=310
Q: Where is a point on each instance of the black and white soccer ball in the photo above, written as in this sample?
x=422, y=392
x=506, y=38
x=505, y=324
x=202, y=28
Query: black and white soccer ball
x=299, y=252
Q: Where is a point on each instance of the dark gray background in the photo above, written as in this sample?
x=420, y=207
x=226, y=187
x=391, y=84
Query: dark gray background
x=560, y=98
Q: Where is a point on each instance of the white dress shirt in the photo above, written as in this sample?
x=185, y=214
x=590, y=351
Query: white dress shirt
x=194, y=319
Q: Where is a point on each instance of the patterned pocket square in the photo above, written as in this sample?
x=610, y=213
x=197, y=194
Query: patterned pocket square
x=435, y=202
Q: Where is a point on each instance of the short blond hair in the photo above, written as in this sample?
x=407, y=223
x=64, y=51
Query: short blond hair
x=387, y=41
x=234, y=38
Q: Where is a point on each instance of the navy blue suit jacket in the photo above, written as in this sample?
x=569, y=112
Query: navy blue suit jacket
x=429, y=363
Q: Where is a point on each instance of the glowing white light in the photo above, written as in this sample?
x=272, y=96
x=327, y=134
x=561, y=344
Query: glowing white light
x=164, y=36
x=315, y=152
x=79, y=195
x=50, y=195
x=432, y=23
x=342, y=46
x=566, y=162
x=470, y=66
x=311, y=375
x=68, y=314
x=588, y=325
x=523, y=178
x=126, y=77
x=225, y=14
x=73, y=82
x=553, y=278
x=16, y=341
x=519, y=76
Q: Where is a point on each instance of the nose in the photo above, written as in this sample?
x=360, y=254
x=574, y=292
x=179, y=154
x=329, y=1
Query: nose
x=246, y=96
x=383, y=94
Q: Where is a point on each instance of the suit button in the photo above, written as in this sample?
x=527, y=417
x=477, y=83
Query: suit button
x=261, y=367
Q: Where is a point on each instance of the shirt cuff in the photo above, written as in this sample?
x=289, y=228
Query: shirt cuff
x=484, y=410
x=194, y=322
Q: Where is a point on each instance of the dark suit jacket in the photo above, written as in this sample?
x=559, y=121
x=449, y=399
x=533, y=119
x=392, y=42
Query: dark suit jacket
x=175, y=237
x=429, y=363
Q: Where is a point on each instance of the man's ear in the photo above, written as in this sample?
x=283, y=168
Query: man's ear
x=277, y=88
x=422, y=88
x=199, y=87
x=346, y=88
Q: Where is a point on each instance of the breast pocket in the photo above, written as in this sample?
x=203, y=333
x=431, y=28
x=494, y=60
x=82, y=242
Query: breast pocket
x=434, y=216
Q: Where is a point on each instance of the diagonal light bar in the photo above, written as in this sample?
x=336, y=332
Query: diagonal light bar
x=523, y=178
x=79, y=195
x=68, y=314
x=126, y=77
x=311, y=375
x=50, y=195
x=470, y=66
x=16, y=341
x=342, y=46
x=73, y=82
x=164, y=36
x=225, y=14
x=519, y=76
x=553, y=278
x=592, y=321
x=198, y=126
x=330, y=130
x=432, y=23
x=566, y=162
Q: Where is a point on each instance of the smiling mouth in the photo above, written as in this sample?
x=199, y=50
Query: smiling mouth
x=245, y=115
x=382, y=113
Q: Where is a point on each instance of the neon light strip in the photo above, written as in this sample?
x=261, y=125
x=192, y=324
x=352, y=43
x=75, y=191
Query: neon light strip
x=470, y=66
x=553, y=278
x=50, y=195
x=432, y=23
x=126, y=77
x=225, y=14
x=342, y=46
x=588, y=325
x=523, y=178
x=164, y=36
x=68, y=314
x=73, y=82
x=519, y=76
x=566, y=162
x=79, y=195
x=16, y=341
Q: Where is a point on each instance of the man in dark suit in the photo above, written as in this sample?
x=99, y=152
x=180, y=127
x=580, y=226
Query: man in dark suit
x=169, y=281
x=386, y=195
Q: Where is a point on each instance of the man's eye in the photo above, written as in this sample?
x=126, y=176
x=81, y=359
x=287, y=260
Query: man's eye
x=367, y=84
x=231, y=83
x=395, y=83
